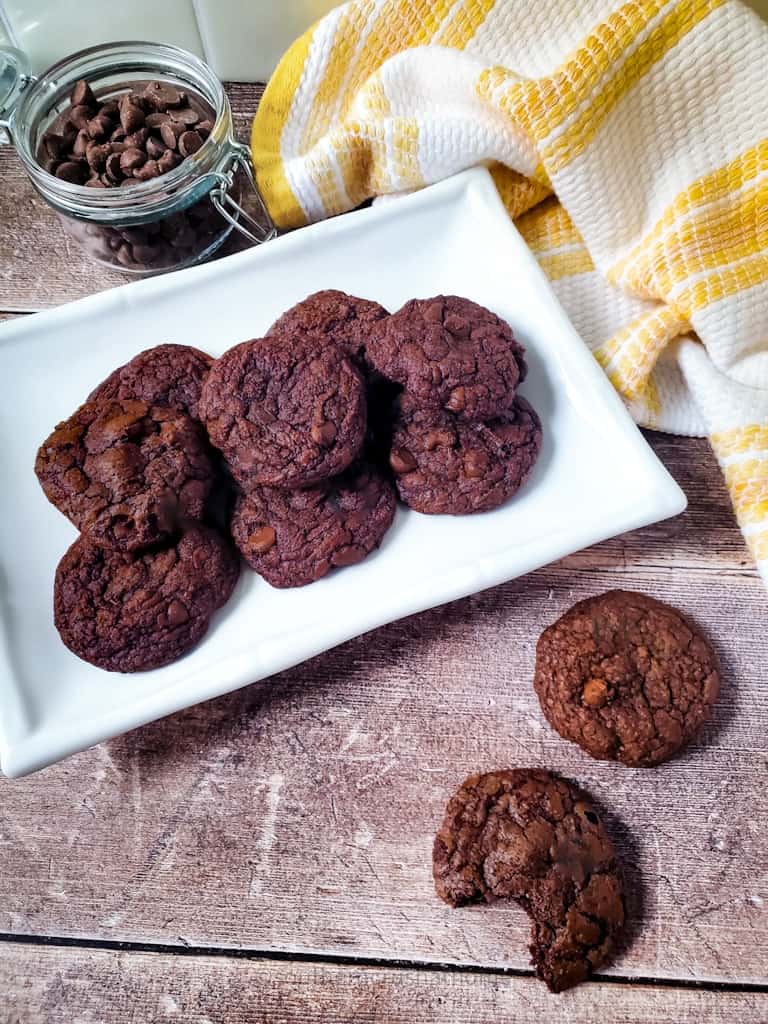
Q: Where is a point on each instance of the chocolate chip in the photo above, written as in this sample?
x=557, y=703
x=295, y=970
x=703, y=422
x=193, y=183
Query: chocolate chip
x=401, y=461
x=71, y=172
x=109, y=109
x=177, y=613
x=118, y=134
x=155, y=148
x=128, y=181
x=54, y=145
x=95, y=183
x=99, y=127
x=137, y=139
x=457, y=400
x=148, y=170
x=146, y=254
x=97, y=154
x=114, y=170
x=186, y=115
x=79, y=116
x=131, y=159
x=82, y=95
x=170, y=132
x=595, y=693
x=262, y=540
x=189, y=143
x=323, y=434
x=204, y=129
x=168, y=161
x=81, y=144
x=161, y=95
x=124, y=254
x=131, y=117
x=476, y=464
x=157, y=119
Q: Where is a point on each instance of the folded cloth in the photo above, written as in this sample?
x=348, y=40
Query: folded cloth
x=628, y=140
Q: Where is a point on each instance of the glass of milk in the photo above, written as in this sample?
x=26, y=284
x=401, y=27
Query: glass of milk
x=241, y=41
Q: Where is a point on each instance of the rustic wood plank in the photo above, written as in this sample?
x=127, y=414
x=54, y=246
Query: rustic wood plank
x=705, y=537
x=298, y=814
x=47, y=985
x=40, y=265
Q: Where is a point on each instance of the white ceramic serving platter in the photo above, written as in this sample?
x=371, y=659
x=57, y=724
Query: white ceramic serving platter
x=596, y=476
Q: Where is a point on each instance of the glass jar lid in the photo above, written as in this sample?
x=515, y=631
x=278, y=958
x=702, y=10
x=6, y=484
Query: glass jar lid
x=14, y=75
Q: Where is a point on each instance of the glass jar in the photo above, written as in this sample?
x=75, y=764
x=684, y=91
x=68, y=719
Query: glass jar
x=173, y=220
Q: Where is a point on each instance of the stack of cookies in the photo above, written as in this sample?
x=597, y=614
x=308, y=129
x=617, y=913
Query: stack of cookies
x=289, y=413
x=462, y=440
x=133, y=470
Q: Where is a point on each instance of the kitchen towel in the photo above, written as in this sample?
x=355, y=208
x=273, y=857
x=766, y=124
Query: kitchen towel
x=629, y=141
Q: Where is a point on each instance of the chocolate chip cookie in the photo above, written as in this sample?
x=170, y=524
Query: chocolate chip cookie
x=130, y=613
x=344, y=319
x=445, y=466
x=527, y=835
x=626, y=677
x=450, y=352
x=292, y=538
x=171, y=375
x=126, y=472
x=286, y=411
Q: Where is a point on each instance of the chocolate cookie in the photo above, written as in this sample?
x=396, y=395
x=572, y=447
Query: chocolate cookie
x=527, y=835
x=626, y=677
x=125, y=472
x=443, y=465
x=344, y=319
x=285, y=411
x=449, y=352
x=130, y=613
x=169, y=375
x=292, y=538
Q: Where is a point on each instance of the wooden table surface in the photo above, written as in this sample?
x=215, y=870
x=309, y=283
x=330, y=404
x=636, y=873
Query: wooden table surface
x=266, y=856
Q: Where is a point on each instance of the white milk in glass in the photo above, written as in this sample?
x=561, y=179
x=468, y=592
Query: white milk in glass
x=241, y=39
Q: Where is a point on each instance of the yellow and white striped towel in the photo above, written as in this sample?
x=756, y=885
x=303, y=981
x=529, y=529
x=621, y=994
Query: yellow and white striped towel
x=628, y=140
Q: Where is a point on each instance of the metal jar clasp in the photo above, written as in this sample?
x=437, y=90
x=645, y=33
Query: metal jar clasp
x=256, y=231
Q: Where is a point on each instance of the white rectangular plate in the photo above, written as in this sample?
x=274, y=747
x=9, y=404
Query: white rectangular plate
x=596, y=476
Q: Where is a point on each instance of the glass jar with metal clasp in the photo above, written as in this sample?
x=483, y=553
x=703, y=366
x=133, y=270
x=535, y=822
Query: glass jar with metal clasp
x=175, y=219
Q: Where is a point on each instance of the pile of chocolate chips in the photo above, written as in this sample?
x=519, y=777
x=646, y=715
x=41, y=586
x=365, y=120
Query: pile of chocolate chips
x=121, y=141
x=140, y=135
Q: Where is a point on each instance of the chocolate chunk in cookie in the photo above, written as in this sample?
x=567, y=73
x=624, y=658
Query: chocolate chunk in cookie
x=130, y=613
x=344, y=319
x=125, y=472
x=292, y=538
x=286, y=411
x=449, y=352
x=626, y=677
x=527, y=835
x=169, y=375
x=443, y=465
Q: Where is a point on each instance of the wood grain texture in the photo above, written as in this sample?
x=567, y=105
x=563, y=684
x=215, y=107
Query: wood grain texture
x=298, y=814
x=40, y=265
x=58, y=986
